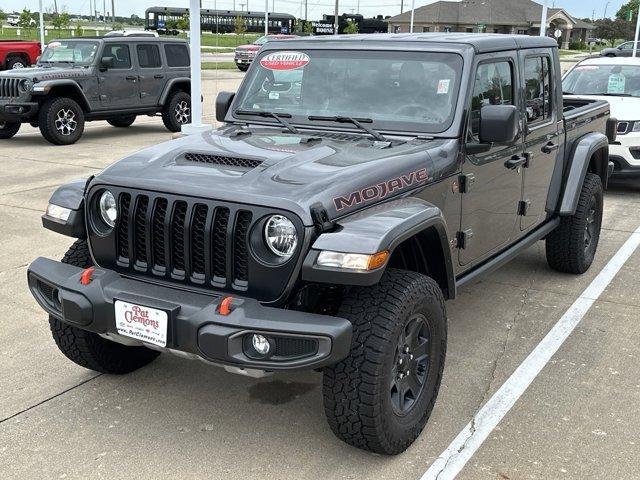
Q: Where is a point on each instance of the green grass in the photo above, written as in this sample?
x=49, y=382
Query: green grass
x=219, y=66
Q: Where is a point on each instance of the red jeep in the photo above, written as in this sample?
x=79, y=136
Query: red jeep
x=18, y=53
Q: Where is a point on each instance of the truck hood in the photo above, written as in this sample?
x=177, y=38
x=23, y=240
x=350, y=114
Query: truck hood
x=622, y=108
x=297, y=172
x=250, y=47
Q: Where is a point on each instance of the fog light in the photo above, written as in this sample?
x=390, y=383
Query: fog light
x=260, y=344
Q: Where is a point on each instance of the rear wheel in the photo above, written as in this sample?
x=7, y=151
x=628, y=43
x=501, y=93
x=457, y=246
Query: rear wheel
x=242, y=68
x=16, y=63
x=177, y=111
x=572, y=246
x=88, y=349
x=61, y=121
x=380, y=397
x=122, y=122
x=8, y=129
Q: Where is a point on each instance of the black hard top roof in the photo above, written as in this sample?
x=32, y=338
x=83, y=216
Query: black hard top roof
x=480, y=42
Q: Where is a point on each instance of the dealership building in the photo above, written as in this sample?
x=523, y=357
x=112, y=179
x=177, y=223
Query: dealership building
x=492, y=16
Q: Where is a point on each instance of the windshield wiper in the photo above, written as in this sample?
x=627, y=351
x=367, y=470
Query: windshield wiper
x=358, y=122
x=614, y=94
x=278, y=116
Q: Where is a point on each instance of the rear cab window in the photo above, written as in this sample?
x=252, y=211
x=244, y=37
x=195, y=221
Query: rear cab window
x=538, y=89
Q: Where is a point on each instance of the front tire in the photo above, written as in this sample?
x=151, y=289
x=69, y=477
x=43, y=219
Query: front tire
x=124, y=121
x=61, y=121
x=88, y=349
x=572, y=246
x=380, y=397
x=177, y=111
x=8, y=129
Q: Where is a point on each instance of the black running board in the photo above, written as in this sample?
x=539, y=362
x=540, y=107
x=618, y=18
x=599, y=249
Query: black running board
x=508, y=254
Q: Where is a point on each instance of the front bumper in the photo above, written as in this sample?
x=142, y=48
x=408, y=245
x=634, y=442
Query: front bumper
x=625, y=155
x=18, y=111
x=196, y=326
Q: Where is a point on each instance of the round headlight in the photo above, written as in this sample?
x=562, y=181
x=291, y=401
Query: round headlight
x=108, y=209
x=25, y=85
x=281, y=236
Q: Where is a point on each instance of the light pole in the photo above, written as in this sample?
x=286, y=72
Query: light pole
x=606, y=5
x=196, y=126
x=543, y=20
x=335, y=19
x=635, y=39
x=266, y=17
x=42, y=43
x=413, y=11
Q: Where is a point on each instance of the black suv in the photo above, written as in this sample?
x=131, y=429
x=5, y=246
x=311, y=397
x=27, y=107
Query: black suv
x=319, y=229
x=84, y=79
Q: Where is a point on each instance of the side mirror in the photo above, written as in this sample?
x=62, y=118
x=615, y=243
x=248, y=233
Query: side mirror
x=223, y=103
x=106, y=63
x=499, y=124
x=38, y=58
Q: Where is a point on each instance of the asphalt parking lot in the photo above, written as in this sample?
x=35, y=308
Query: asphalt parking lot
x=183, y=419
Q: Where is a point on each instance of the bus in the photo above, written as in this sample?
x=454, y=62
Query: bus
x=217, y=21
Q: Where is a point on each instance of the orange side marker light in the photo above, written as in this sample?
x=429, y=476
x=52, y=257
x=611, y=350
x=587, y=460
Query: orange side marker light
x=225, y=306
x=85, y=278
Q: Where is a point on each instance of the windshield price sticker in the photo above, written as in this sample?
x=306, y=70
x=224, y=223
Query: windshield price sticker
x=284, y=60
x=443, y=87
x=616, y=84
x=54, y=45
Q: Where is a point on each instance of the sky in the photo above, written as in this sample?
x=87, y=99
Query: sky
x=577, y=8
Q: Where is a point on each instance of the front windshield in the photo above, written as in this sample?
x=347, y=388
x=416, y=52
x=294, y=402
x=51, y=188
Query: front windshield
x=70, y=51
x=415, y=91
x=623, y=80
x=261, y=41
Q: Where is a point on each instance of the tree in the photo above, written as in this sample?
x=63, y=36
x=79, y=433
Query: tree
x=308, y=27
x=628, y=12
x=61, y=21
x=3, y=17
x=183, y=23
x=350, y=28
x=612, y=30
x=77, y=31
x=25, y=21
x=240, y=27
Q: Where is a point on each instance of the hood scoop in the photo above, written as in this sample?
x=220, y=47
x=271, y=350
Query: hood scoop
x=220, y=160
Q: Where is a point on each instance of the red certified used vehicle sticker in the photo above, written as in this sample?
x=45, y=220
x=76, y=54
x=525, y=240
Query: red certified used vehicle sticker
x=284, y=60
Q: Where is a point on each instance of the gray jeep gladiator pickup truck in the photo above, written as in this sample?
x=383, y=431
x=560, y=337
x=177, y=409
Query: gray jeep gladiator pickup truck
x=356, y=184
x=85, y=79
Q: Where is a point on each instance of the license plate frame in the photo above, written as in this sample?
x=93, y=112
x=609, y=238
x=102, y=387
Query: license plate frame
x=141, y=322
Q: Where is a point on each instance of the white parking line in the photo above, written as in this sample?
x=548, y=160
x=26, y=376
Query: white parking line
x=460, y=451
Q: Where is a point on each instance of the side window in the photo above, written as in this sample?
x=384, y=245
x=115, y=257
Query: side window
x=120, y=53
x=537, y=90
x=177, y=55
x=493, y=86
x=149, y=56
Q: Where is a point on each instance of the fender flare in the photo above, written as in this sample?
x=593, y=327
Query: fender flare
x=170, y=84
x=44, y=87
x=375, y=229
x=71, y=196
x=581, y=153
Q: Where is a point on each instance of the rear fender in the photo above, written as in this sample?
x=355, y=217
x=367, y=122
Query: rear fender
x=379, y=228
x=182, y=82
x=590, y=152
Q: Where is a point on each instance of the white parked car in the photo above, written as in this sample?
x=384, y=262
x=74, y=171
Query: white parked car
x=13, y=20
x=616, y=80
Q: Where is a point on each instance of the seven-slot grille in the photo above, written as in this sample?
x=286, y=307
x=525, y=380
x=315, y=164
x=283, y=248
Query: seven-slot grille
x=9, y=87
x=184, y=240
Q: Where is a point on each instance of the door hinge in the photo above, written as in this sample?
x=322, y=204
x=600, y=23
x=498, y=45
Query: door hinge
x=523, y=207
x=463, y=238
x=527, y=162
x=464, y=183
x=320, y=218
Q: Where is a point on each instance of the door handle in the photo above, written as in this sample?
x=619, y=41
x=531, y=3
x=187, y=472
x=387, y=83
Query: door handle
x=158, y=76
x=550, y=147
x=131, y=78
x=515, y=162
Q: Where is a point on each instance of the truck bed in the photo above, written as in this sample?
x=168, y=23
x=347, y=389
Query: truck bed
x=582, y=116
